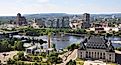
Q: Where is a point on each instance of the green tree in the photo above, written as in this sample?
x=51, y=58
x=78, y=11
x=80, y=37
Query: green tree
x=72, y=47
x=54, y=46
x=43, y=54
x=19, y=45
x=53, y=58
x=21, y=56
x=71, y=62
x=10, y=61
x=4, y=46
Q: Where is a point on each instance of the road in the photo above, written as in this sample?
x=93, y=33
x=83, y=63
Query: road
x=68, y=56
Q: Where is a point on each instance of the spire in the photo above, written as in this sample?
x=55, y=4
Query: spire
x=110, y=47
x=82, y=46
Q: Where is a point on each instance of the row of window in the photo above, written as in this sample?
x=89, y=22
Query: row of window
x=98, y=55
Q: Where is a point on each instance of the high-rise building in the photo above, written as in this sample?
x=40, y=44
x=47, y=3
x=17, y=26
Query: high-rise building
x=86, y=19
x=65, y=22
x=57, y=23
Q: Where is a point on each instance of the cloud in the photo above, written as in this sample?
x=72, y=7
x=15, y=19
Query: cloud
x=33, y=1
x=43, y=1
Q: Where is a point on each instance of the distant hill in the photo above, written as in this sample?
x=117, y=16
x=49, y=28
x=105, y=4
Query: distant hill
x=46, y=15
x=6, y=18
x=118, y=15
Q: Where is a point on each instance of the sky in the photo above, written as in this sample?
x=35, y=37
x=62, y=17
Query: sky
x=12, y=7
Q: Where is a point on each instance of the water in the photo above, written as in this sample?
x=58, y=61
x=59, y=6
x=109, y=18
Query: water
x=64, y=41
x=115, y=39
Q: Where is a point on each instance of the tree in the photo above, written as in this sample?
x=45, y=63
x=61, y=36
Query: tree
x=19, y=45
x=20, y=63
x=71, y=62
x=10, y=61
x=21, y=56
x=41, y=41
x=5, y=46
x=54, y=46
x=43, y=54
x=53, y=58
x=35, y=63
x=72, y=47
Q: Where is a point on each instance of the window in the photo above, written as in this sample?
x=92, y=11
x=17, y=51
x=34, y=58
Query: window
x=110, y=58
x=81, y=56
x=103, y=55
x=95, y=55
x=86, y=54
x=100, y=55
x=89, y=54
x=109, y=54
x=92, y=54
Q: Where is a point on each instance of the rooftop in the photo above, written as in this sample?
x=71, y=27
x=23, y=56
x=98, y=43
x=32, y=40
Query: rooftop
x=97, y=42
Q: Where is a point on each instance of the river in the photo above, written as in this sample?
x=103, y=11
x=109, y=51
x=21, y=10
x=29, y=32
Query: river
x=64, y=41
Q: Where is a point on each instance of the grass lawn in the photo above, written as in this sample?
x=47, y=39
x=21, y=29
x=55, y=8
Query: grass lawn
x=79, y=61
x=112, y=64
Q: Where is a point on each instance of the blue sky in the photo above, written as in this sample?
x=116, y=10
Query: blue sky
x=12, y=7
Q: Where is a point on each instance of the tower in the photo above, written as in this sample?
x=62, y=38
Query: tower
x=57, y=23
x=20, y=20
x=18, y=17
x=65, y=22
x=49, y=41
x=86, y=20
x=86, y=17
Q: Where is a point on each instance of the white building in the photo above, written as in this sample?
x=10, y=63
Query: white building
x=97, y=48
x=106, y=29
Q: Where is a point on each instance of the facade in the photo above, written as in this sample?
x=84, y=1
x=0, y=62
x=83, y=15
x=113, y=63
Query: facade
x=104, y=29
x=20, y=20
x=58, y=22
x=86, y=18
x=65, y=22
x=76, y=24
x=37, y=23
x=97, y=48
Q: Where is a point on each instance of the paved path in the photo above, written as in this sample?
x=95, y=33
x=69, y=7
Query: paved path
x=8, y=55
x=71, y=55
x=118, y=52
x=97, y=62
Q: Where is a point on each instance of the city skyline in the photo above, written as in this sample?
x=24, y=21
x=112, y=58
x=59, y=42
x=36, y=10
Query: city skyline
x=12, y=7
